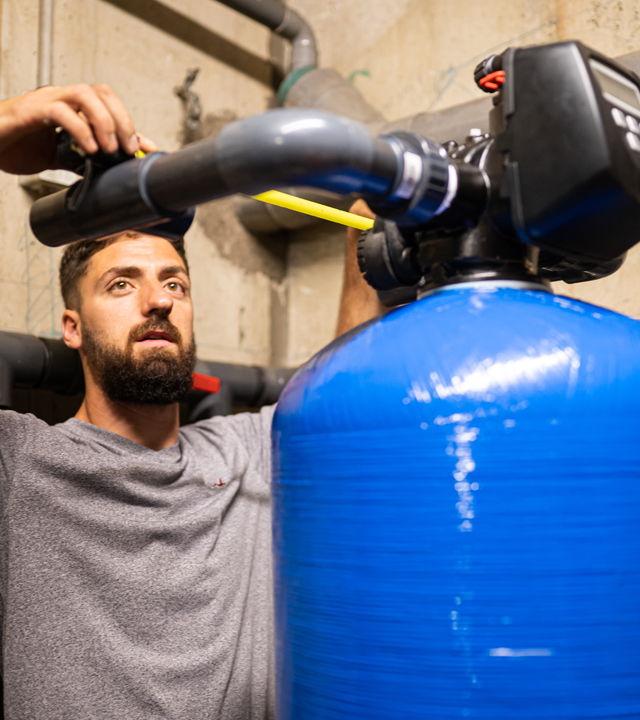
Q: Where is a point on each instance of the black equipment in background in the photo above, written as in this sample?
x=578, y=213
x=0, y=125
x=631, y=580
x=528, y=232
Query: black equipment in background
x=43, y=376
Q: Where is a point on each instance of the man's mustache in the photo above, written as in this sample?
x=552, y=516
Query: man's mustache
x=155, y=324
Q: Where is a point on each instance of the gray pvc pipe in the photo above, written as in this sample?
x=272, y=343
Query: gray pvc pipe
x=327, y=90
x=284, y=22
x=269, y=151
x=272, y=150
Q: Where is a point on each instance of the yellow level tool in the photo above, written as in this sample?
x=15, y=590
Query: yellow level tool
x=274, y=197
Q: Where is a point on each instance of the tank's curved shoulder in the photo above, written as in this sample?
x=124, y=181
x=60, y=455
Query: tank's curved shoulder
x=465, y=346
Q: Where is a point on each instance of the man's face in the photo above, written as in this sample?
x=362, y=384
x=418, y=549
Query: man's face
x=135, y=322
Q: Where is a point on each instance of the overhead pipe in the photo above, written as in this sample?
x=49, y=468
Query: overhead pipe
x=37, y=363
x=284, y=22
x=45, y=42
x=287, y=147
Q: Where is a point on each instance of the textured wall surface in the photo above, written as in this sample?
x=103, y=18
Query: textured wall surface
x=271, y=300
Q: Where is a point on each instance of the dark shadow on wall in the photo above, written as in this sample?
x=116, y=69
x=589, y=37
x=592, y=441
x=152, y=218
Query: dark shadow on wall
x=202, y=38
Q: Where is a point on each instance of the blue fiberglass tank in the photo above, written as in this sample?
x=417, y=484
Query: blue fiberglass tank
x=457, y=532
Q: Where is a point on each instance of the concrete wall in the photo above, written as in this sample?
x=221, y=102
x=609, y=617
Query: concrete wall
x=271, y=300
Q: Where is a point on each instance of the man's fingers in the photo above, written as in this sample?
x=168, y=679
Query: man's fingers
x=93, y=115
x=361, y=208
x=85, y=99
x=124, y=128
x=147, y=145
x=111, y=122
x=60, y=113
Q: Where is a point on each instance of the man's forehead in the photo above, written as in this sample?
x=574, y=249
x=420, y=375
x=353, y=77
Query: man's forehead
x=140, y=250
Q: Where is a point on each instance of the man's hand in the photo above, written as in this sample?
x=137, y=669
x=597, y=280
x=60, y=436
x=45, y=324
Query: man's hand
x=359, y=301
x=92, y=114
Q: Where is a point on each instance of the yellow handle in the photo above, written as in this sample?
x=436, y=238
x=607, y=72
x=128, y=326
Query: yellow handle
x=274, y=197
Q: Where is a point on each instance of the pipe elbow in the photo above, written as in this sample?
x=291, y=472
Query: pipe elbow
x=303, y=43
x=296, y=147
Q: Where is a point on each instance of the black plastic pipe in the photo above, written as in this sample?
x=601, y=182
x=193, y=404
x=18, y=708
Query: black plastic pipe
x=31, y=362
x=27, y=361
x=284, y=22
x=251, y=386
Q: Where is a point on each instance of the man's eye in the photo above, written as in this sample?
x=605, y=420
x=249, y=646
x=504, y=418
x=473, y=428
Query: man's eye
x=174, y=286
x=120, y=285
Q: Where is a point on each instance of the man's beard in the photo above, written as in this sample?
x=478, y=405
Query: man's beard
x=157, y=377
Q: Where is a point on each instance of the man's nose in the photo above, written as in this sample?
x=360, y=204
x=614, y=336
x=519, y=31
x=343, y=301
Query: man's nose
x=157, y=301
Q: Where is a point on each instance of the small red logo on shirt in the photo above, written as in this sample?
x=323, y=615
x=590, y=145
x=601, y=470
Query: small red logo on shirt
x=219, y=483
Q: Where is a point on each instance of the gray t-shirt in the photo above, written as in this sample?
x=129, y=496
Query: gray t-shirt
x=136, y=584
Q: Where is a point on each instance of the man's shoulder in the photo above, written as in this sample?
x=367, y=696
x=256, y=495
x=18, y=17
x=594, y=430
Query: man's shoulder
x=19, y=433
x=243, y=441
x=241, y=427
x=12, y=422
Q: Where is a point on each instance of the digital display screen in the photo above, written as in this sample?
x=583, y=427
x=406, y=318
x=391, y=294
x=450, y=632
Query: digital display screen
x=616, y=88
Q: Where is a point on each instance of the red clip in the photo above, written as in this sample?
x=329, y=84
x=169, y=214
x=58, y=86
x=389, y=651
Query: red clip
x=206, y=383
x=493, y=80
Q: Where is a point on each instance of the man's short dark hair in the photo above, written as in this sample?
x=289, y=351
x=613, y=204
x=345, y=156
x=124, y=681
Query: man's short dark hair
x=75, y=262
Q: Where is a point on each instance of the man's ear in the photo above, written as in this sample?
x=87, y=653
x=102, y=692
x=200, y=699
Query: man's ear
x=71, y=333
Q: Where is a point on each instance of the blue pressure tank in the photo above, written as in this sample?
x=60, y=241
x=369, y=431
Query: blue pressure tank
x=457, y=515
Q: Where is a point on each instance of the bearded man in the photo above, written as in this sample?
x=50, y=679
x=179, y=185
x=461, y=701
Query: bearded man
x=135, y=555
